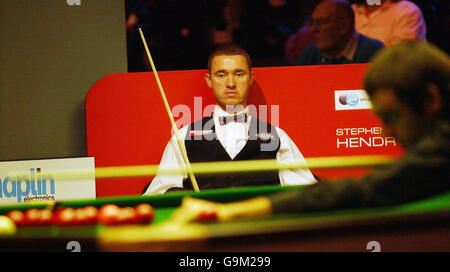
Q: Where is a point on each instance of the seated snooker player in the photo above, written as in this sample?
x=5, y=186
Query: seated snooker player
x=230, y=134
x=409, y=88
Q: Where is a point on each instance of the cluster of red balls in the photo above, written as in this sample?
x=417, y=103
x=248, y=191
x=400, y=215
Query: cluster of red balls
x=108, y=214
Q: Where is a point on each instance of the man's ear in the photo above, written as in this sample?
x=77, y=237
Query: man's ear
x=433, y=102
x=252, y=77
x=208, y=80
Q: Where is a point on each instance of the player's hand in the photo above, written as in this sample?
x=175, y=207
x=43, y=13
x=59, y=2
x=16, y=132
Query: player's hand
x=193, y=209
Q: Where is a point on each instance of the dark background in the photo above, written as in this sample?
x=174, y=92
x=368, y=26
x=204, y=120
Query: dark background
x=255, y=24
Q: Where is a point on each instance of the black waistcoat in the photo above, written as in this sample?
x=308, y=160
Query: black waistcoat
x=202, y=145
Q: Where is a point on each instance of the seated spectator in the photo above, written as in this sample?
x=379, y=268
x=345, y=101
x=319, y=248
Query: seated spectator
x=390, y=21
x=335, y=39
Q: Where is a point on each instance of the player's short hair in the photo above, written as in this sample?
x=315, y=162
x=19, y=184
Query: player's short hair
x=408, y=68
x=229, y=49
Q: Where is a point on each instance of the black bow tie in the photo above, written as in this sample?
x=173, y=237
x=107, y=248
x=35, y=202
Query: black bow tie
x=241, y=118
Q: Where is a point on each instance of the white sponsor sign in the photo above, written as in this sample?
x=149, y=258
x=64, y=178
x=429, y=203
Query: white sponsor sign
x=351, y=100
x=73, y=2
x=32, y=180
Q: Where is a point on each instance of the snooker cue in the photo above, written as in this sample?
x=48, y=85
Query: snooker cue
x=224, y=167
x=172, y=121
x=248, y=166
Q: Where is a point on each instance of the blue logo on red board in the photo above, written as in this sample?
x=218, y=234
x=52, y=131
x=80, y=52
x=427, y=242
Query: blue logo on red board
x=349, y=100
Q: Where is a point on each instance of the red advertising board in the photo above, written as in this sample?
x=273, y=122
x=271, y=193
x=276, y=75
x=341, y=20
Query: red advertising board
x=127, y=124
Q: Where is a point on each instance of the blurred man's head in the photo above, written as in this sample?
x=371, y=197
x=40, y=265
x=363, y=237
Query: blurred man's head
x=332, y=25
x=372, y=3
x=409, y=87
x=230, y=76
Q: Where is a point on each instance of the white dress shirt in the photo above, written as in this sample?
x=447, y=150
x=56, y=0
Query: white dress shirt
x=233, y=136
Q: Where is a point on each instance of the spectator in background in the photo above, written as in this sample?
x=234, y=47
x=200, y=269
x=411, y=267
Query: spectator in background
x=335, y=38
x=390, y=21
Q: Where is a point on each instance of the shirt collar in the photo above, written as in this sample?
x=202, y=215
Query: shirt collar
x=218, y=111
x=350, y=48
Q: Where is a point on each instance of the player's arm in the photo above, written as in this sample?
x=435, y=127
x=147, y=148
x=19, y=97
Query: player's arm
x=401, y=182
x=287, y=153
x=410, y=25
x=171, y=158
x=379, y=188
x=321, y=196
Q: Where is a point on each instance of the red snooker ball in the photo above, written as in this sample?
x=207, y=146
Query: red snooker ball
x=32, y=217
x=18, y=217
x=91, y=213
x=46, y=217
x=145, y=213
x=108, y=214
x=64, y=217
x=86, y=216
x=127, y=215
x=36, y=217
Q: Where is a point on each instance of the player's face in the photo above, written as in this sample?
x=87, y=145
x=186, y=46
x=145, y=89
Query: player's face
x=230, y=79
x=398, y=119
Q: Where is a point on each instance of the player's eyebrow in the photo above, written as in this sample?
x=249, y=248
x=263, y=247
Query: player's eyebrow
x=240, y=71
x=226, y=71
x=220, y=71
